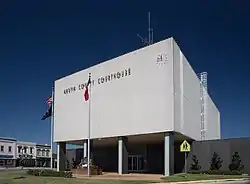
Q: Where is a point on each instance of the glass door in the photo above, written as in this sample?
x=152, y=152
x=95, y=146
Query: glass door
x=140, y=163
x=135, y=163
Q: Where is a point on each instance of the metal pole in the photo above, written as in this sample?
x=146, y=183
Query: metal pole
x=149, y=29
x=89, y=125
x=51, y=130
x=185, y=162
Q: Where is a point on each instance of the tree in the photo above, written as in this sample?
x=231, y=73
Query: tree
x=74, y=164
x=195, y=165
x=67, y=165
x=216, y=162
x=236, y=163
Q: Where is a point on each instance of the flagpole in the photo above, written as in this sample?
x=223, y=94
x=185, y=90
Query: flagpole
x=89, y=125
x=51, y=130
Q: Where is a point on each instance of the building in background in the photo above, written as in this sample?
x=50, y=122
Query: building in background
x=143, y=105
x=7, y=152
x=26, y=153
x=43, y=155
x=15, y=153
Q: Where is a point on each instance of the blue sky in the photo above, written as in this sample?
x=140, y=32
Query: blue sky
x=41, y=41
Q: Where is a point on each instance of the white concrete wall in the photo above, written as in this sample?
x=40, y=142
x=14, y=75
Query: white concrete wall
x=213, y=121
x=139, y=103
x=151, y=97
x=187, y=106
x=191, y=102
x=7, y=144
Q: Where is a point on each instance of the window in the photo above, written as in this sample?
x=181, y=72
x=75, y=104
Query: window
x=2, y=162
x=2, y=148
x=10, y=149
x=47, y=153
x=38, y=152
x=9, y=162
x=19, y=149
x=43, y=153
x=25, y=149
x=31, y=150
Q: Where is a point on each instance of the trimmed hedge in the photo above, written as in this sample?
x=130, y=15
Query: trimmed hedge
x=216, y=172
x=51, y=173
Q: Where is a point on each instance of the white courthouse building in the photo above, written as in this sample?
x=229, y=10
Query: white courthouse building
x=143, y=105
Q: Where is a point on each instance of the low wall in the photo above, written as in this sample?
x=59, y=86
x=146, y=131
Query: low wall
x=225, y=148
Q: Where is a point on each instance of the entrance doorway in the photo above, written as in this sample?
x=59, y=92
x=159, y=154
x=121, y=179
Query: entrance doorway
x=135, y=163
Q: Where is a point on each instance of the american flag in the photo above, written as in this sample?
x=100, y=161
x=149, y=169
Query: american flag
x=49, y=101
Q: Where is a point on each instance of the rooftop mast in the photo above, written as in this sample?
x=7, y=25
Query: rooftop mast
x=149, y=40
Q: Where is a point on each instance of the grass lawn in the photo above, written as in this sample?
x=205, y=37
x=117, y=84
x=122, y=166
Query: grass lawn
x=195, y=177
x=20, y=177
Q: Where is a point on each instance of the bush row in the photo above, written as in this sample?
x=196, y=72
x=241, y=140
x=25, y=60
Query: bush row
x=51, y=173
x=216, y=172
x=236, y=167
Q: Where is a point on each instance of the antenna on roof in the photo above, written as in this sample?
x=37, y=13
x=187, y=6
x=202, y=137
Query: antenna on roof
x=149, y=40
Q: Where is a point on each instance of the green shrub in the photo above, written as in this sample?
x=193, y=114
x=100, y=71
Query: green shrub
x=197, y=172
x=51, y=173
x=216, y=162
x=74, y=164
x=195, y=165
x=34, y=172
x=95, y=170
x=216, y=172
x=236, y=163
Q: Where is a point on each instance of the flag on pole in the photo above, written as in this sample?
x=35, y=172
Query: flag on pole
x=49, y=101
x=48, y=113
x=86, y=93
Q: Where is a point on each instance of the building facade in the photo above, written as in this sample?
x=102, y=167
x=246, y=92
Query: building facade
x=143, y=105
x=7, y=152
x=26, y=153
x=43, y=155
x=15, y=153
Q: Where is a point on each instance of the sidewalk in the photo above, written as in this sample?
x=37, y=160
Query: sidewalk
x=207, y=181
x=115, y=176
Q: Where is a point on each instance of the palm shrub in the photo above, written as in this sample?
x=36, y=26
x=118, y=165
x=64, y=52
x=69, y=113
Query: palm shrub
x=236, y=163
x=195, y=165
x=216, y=162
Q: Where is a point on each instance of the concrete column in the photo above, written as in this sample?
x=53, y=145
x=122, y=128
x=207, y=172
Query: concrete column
x=168, y=153
x=61, y=156
x=85, y=149
x=122, y=155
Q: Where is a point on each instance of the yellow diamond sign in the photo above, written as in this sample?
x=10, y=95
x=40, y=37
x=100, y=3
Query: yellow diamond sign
x=185, y=146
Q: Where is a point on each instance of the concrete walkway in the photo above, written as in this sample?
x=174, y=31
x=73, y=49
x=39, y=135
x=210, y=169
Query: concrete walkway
x=156, y=178
x=115, y=176
x=221, y=181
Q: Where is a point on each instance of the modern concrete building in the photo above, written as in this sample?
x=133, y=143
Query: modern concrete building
x=7, y=152
x=143, y=105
